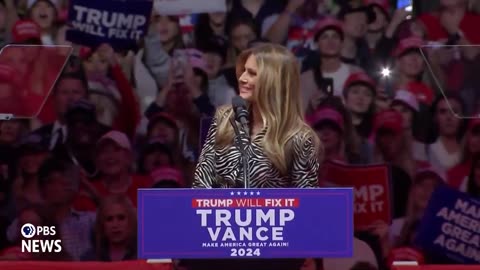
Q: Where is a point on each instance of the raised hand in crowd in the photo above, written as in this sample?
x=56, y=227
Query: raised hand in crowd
x=398, y=17
x=172, y=80
x=190, y=81
x=450, y=20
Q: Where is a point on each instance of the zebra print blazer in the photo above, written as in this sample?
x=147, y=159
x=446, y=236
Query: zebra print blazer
x=223, y=167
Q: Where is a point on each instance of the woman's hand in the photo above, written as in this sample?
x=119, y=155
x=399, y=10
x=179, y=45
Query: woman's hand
x=190, y=81
x=172, y=80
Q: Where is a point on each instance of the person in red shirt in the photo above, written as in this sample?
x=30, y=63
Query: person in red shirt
x=114, y=157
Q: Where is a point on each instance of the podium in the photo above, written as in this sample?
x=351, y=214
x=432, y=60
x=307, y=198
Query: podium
x=245, y=223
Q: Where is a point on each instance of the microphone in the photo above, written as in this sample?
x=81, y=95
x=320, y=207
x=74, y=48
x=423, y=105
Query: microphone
x=241, y=113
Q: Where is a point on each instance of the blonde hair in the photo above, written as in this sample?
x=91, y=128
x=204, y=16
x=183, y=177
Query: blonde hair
x=277, y=100
x=101, y=242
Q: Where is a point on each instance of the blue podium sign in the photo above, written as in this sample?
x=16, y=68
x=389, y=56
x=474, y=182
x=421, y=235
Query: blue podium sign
x=245, y=223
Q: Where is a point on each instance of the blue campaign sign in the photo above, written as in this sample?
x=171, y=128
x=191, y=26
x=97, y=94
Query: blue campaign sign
x=450, y=227
x=119, y=23
x=245, y=223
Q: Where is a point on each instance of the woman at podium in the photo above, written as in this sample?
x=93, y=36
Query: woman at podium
x=281, y=149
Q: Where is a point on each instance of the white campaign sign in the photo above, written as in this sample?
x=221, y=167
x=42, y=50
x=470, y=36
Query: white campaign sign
x=185, y=7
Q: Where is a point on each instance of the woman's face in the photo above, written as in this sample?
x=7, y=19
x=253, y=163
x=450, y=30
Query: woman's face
x=96, y=64
x=448, y=123
x=247, y=83
x=359, y=99
x=113, y=159
x=9, y=131
x=43, y=14
x=411, y=64
x=163, y=132
x=116, y=226
x=406, y=113
x=30, y=163
x=242, y=35
x=330, y=43
x=423, y=191
x=330, y=137
x=380, y=22
x=166, y=28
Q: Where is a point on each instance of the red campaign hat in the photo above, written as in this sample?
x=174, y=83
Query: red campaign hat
x=84, y=52
x=328, y=23
x=405, y=254
x=359, y=78
x=388, y=119
x=168, y=174
x=326, y=114
x=9, y=75
x=422, y=92
x=119, y=138
x=407, y=98
x=24, y=30
x=163, y=116
x=383, y=4
x=407, y=44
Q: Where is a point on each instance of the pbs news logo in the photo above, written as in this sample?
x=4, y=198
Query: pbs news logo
x=39, y=245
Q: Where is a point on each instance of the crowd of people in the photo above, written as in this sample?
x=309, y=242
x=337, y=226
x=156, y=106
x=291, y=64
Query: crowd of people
x=378, y=84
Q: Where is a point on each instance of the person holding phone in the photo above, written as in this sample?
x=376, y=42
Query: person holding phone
x=329, y=37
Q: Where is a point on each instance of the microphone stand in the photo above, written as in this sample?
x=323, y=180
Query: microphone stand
x=241, y=137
